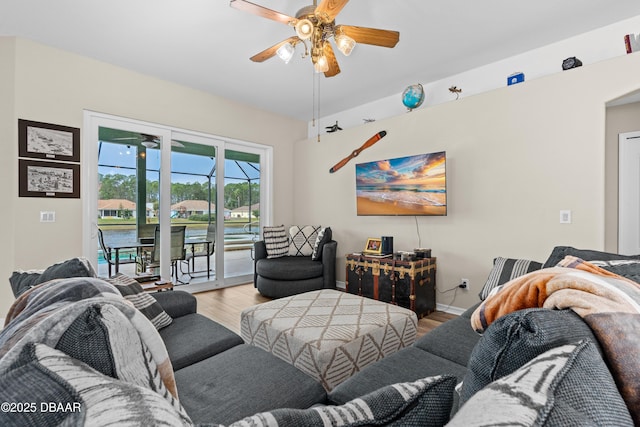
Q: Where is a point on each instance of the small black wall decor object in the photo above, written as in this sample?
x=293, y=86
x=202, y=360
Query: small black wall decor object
x=570, y=63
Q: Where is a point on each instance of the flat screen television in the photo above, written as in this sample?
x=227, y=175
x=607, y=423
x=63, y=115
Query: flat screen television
x=412, y=185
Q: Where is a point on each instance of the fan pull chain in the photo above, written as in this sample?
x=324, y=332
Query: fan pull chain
x=315, y=121
x=313, y=101
x=318, y=127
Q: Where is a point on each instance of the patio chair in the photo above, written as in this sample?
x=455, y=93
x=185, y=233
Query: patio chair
x=178, y=252
x=206, y=250
x=146, y=232
x=109, y=255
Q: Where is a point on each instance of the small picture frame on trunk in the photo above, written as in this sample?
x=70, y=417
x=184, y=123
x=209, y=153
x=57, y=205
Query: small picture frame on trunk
x=373, y=246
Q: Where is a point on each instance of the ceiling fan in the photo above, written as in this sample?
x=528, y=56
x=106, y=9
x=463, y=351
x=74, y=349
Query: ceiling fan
x=149, y=141
x=316, y=25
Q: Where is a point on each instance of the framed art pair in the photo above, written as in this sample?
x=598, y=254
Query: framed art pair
x=49, y=160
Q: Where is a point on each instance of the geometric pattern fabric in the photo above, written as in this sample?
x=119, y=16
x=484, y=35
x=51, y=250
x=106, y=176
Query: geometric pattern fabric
x=302, y=239
x=328, y=334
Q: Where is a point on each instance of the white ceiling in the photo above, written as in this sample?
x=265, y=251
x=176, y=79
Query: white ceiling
x=205, y=44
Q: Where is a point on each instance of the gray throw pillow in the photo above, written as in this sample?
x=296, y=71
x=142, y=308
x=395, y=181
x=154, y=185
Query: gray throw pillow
x=426, y=402
x=63, y=391
x=324, y=236
x=514, y=339
x=148, y=305
x=568, y=385
x=44, y=386
x=559, y=252
x=21, y=281
x=629, y=268
x=504, y=270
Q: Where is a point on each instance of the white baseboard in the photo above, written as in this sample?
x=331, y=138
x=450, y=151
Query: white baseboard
x=341, y=285
x=449, y=309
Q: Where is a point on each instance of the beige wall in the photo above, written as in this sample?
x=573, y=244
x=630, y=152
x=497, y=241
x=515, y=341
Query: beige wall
x=516, y=156
x=55, y=86
x=8, y=169
x=620, y=119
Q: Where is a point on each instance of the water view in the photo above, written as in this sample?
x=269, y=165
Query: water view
x=236, y=236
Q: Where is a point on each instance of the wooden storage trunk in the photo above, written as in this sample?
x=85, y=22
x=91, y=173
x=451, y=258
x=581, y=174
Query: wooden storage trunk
x=409, y=284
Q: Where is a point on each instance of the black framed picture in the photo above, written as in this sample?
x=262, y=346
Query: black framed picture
x=48, y=141
x=48, y=179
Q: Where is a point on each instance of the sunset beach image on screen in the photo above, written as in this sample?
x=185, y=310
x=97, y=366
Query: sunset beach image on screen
x=412, y=185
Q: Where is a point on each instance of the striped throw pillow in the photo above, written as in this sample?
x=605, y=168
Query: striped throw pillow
x=276, y=241
x=505, y=269
x=132, y=291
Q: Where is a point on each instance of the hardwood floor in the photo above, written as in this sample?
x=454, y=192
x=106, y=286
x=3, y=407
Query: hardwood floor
x=225, y=305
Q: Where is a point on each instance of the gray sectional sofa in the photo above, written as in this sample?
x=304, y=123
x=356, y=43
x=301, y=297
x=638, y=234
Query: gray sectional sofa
x=488, y=364
x=444, y=350
x=221, y=380
x=218, y=378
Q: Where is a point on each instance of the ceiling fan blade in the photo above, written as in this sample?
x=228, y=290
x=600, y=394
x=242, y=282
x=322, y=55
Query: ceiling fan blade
x=334, y=68
x=327, y=10
x=373, y=36
x=271, y=51
x=262, y=11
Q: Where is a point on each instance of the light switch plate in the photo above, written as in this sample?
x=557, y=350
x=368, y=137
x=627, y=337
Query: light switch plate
x=47, y=216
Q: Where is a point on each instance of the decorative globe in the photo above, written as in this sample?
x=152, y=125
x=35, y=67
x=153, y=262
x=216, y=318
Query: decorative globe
x=413, y=96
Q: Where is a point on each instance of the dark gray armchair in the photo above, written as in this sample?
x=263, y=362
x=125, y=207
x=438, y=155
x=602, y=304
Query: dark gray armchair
x=290, y=275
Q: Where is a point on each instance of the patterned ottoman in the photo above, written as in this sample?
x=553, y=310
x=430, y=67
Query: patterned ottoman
x=328, y=334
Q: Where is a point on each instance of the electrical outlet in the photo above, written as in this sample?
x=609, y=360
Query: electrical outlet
x=464, y=284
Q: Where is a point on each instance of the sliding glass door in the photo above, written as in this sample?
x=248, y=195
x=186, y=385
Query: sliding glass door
x=194, y=166
x=167, y=204
x=242, y=191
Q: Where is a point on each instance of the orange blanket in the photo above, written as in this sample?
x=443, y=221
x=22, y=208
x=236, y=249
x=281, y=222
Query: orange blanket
x=608, y=303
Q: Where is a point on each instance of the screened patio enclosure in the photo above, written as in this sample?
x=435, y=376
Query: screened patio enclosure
x=129, y=174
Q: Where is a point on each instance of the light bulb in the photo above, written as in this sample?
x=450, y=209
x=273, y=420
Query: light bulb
x=304, y=29
x=321, y=65
x=285, y=52
x=345, y=44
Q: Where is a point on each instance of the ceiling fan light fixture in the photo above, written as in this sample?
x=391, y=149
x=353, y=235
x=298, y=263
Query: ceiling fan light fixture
x=285, y=52
x=345, y=44
x=149, y=144
x=304, y=28
x=321, y=65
